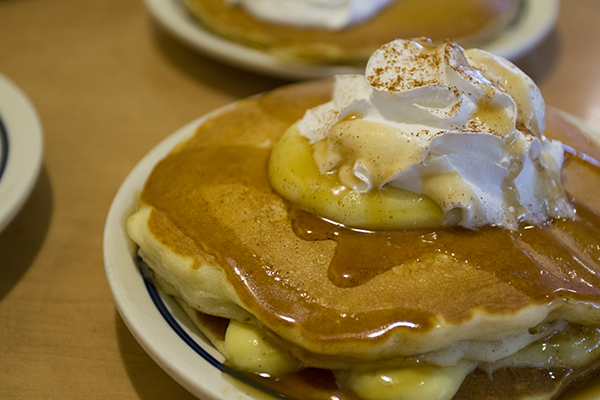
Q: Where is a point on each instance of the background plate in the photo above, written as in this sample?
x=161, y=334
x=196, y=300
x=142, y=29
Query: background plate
x=21, y=147
x=538, y=18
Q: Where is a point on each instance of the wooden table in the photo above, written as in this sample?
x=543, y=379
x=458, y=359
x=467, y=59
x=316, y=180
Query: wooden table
x=108, y=85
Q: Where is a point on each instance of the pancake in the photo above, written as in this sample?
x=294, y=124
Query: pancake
x=472, y=23
x=217, y=236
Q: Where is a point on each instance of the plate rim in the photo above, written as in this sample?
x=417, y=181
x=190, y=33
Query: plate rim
x=531, y=28
x=23, y=145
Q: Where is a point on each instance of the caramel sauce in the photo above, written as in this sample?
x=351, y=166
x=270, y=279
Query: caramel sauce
x=503, y=384
x=306, y=384
x=361, y=255
x=513, y=383
x=215, y=190
x=217, y=326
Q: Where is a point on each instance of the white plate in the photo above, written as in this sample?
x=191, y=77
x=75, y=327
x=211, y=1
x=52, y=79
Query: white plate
x=539, y=16
x=21, y=147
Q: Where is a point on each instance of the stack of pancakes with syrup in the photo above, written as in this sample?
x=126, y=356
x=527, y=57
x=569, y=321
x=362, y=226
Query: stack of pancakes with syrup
x=221, y=240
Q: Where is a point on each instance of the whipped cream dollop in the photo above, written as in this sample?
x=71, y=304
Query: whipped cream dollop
x=464, y=128
x=325, y=14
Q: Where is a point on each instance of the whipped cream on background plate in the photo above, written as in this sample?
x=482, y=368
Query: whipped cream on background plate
x=326, y=14
x=464, y=128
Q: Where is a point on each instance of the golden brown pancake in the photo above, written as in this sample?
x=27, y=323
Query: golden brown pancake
x=210, y=225
x=469, y=22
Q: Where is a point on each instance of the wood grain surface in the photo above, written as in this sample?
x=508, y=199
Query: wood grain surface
x=108, y=85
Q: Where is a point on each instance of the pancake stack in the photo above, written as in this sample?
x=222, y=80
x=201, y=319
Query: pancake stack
x=340, y=302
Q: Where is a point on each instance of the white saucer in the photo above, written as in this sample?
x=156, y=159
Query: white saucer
x=21, y=147
x=539, y=17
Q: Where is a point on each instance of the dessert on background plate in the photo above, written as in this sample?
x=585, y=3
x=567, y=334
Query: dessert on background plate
x=534, y=21
x=406, y=234
x=349, y=31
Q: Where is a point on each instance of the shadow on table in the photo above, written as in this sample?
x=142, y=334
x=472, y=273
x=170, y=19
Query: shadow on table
x=234, y=81
x=22, y=239
x=148, y=379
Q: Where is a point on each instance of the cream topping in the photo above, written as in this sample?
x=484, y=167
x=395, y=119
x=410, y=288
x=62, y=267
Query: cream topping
x=464, y=128
x=326, y=14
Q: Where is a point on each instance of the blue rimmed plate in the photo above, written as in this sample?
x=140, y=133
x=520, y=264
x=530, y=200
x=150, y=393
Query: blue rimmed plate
x=156, y=320
x=21, y=148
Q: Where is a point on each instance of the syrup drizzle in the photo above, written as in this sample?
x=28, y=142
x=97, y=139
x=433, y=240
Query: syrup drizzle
x=361, y=255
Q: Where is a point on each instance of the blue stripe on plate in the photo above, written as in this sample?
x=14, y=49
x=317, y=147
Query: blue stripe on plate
x=3, y=147
x=164, y=311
